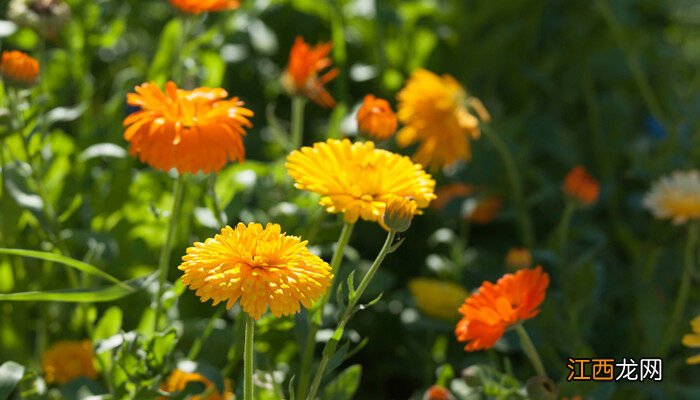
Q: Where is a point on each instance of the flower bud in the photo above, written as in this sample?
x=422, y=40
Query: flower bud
x=399, y=213
x=518, y=257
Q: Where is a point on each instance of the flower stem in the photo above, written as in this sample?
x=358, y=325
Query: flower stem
x=216, y=206
x=298, y=104
x=564, y=230
x=164, y=260
x=526, y=230
x=307, y=357
x=530, y=350
x=248, y=359
x=683, y=290
x=329, y=349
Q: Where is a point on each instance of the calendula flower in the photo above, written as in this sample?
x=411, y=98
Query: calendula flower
x=581, y=186
x=495, y=307
x=484, y=209
x=437, y=393
x=376, y=119
x=200, y=6
x=18, y=69
x=437, y=298
x=46, y=17
x=357, y=179
x=399, y=213
x=693, y=339
x=675, y=197
x=303, y=75
x=189, y=130
x=177, y=381
x=261, y=266
x=519, y=257
x=67, y=360
x=434, y=112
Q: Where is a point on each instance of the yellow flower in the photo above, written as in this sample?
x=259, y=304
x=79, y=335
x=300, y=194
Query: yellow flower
x=399, y=213
x=438, y=298
x=178, y=380
x=519, y=257
x=261, y=266
x=693, y=339
x=67, y=360
x=357, y=179
x=675, y=197
x=435, y=114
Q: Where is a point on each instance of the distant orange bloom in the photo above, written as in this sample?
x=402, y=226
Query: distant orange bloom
x=480, y=208
x=445, y=194
x=495, y=307
x=376, y=119
x=200, y=6
x=178, y=380
x=68, y=359
x=486, y=210
x=581, y=186
x=19, y=69
x=436, y=392
x=189, y=130
x=302, y=75
x=519, y=257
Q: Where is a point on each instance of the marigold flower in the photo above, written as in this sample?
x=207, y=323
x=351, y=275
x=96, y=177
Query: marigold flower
x=67, y=360
x=693, y=339
x=436, y=392
x=189, y=130
x=46, y=17
x=495, y=307
x=19, y=69
x=376, y=119
x=178, y=380
x=199, y=6
x=582, y=187
x=302, y=75
x=675, y=197
x=434, y=112
x=437, y=298
x=263, y=267
x=357, y=179
x=519, y=257
x=399, y=213
x=484, y=210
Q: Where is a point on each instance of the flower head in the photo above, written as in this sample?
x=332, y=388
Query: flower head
x=483, y=209
x=693, y=339
x=200, y=6
x=435, y=114
x=437, y=393
x=399, y=213
x=495, y=307
x=67, y=360
x=519, y=257
x=357, y=179
x=46, y=17
x=177, y=381
x=18, y=69
x=376, y=119
x=189, y=130
x=675, y=197
x=581, y=186
x=437, y=298
x=261, y=266
x=302, y=77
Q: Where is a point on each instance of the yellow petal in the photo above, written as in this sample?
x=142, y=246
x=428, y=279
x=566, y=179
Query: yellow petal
x=694, y=360
x=691, y=340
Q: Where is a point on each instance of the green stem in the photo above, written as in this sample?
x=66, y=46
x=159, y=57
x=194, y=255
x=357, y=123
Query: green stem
x=248, y=359
x=218, y=213
x=164, y=260
x=329, y=349
x=197, y=345
x=566, y=216
x=530, y=350
x=683, y=290
x=316, y=319
x=526, y=230
x=298, y=104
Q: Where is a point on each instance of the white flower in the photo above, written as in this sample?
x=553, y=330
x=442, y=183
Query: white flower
x=675, y=197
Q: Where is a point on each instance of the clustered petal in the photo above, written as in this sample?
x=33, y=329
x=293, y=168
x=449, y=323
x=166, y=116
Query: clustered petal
x=304, y=77
x=18, y=69
x=434, y=112
x=495, y=307
x=357, y=179
x=178, y=379
x=675, y=197
x=67, y=360
x=581, y=186
x=200, y=6
x=693, y=339
x=189, y=130
x=376, y=119
x=260, y=266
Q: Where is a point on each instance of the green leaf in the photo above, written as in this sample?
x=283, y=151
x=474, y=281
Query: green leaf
x=10, y=375
x=344, y=386
x=109, y=325
x=351, y=287
x=67, y=261
x=371, y=303
x=168, y=50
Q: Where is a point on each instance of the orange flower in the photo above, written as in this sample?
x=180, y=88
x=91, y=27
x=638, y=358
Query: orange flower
x=581, y=186
x=178, y=380
x=445, y=194
x=519, y=257
x=68, y=359
x=376, y=119
x=200, y=6
x=19, y=69
x=485, y=210
x=496, y=307
x=302, y=75
x=436, y=392
x=189, y=130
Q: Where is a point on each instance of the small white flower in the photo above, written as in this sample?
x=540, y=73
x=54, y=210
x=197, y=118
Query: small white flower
x=675, y=197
